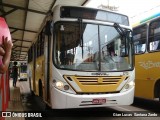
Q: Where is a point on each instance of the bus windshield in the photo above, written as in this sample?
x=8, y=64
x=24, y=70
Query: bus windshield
x=23, y=68
x=90, y=47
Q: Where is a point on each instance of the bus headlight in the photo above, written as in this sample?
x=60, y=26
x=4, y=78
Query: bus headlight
x=128, y=86
x=59, y=84
x=131, y=83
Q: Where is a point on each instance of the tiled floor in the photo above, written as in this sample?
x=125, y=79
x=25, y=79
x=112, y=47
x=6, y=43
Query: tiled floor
x=15, y=103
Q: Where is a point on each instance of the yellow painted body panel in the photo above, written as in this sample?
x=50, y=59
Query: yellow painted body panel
x=147, y=68
x=39, y=72
x=23, y=75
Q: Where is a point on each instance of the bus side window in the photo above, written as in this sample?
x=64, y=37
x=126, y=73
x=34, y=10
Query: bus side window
x=139, y=38
x=158, y=47
x=155, y=45
x=154, y=35
x=139, y=48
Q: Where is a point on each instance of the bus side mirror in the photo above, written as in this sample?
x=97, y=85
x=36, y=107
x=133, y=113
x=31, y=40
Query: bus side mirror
x=129, y=36
x=48, y=28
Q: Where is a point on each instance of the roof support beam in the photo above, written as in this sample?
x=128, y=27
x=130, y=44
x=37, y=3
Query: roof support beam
x=22, y=8
x=23, y=29
x=85, y=2
x=14, y=31
x=27, y=1
x=48, y=15
x=20, y=46
x=1, y=7
x=14, y=47
x=23, y=54
x=7, y=13
x=52, y=6
x=21, y=51
x=15, y=40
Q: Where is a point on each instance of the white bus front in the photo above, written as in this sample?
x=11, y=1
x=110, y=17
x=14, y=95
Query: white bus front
x=92, y=63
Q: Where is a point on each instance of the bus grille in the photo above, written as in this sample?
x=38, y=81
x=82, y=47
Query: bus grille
x=95, y=84
x=98, y=80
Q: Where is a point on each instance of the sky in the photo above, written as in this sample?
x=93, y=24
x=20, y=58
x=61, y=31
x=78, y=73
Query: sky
x=136, y=9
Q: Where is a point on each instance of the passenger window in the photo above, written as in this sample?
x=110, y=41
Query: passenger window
x=139, y=37
x=154, y=35
x=155, y=45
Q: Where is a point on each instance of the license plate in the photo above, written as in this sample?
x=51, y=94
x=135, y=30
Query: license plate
x=99, y=101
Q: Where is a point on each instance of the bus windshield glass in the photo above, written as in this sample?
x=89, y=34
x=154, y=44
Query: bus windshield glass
x=23, y=69
x=90, y=47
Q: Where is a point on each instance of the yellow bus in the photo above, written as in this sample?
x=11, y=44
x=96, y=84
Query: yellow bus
x=23, y=71
x=147, y=61
x=83, y=57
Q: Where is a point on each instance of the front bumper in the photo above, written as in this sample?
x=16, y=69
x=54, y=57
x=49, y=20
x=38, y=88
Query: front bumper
x=63, y=100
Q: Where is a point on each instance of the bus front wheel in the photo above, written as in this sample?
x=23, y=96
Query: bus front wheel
x=40, y=89
x=157, y=90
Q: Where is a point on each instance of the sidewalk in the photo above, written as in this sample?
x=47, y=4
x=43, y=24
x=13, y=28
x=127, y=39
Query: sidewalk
x=15, y=103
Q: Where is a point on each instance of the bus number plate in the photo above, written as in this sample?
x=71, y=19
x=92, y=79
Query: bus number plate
x=99, y=101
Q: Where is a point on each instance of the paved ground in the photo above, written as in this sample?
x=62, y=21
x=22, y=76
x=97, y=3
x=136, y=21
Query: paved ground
x=22, y=101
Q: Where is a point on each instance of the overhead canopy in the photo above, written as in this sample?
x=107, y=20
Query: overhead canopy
x=25, y=18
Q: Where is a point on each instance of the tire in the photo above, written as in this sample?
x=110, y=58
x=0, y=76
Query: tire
x=47, y=107
x=159, y=95
x=40, y=90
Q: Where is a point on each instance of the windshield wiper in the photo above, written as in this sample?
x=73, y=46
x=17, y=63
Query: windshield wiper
x=120, y=30
x=122, y=33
